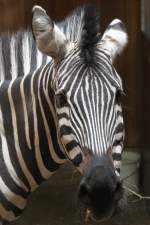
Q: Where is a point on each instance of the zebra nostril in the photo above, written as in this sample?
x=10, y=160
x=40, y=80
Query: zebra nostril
x=84, y=194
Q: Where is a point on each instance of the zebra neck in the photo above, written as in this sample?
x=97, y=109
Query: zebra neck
x=47, y=145
x=29, y=129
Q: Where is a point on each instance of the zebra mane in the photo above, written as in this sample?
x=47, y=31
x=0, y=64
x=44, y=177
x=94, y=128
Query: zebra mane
x=72, y=25
x=82, y=26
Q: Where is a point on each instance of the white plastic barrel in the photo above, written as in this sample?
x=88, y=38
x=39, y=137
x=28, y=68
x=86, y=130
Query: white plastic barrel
x=130, y=169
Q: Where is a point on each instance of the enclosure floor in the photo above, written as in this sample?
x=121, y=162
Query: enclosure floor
x=55, y=203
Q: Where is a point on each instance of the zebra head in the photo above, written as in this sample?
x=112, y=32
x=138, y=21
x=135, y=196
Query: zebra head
x=87, y=100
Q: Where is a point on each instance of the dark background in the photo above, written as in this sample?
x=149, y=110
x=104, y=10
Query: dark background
x=133, y=65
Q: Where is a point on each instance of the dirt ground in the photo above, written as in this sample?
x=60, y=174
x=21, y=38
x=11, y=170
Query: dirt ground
x=55, y=203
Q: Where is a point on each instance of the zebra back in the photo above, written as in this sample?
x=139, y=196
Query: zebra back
x=19, y=55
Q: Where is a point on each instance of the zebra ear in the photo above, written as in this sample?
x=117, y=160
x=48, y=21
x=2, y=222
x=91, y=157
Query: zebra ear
x=49, y=38
x=114, y=38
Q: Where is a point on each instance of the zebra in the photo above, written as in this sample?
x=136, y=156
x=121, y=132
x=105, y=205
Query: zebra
x=60, y=101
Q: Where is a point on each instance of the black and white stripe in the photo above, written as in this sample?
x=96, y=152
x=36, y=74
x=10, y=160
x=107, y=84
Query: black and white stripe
x=94, y=114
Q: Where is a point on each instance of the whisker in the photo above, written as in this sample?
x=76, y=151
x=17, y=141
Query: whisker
x=140, y=197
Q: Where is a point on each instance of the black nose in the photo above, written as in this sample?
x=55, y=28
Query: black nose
x=95, y=196
x=100, y=189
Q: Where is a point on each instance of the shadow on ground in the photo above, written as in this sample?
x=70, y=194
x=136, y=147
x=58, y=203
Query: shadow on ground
x=55, y=203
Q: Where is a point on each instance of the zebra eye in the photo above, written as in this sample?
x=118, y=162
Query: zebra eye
x=119, y=94
x=61, y=100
